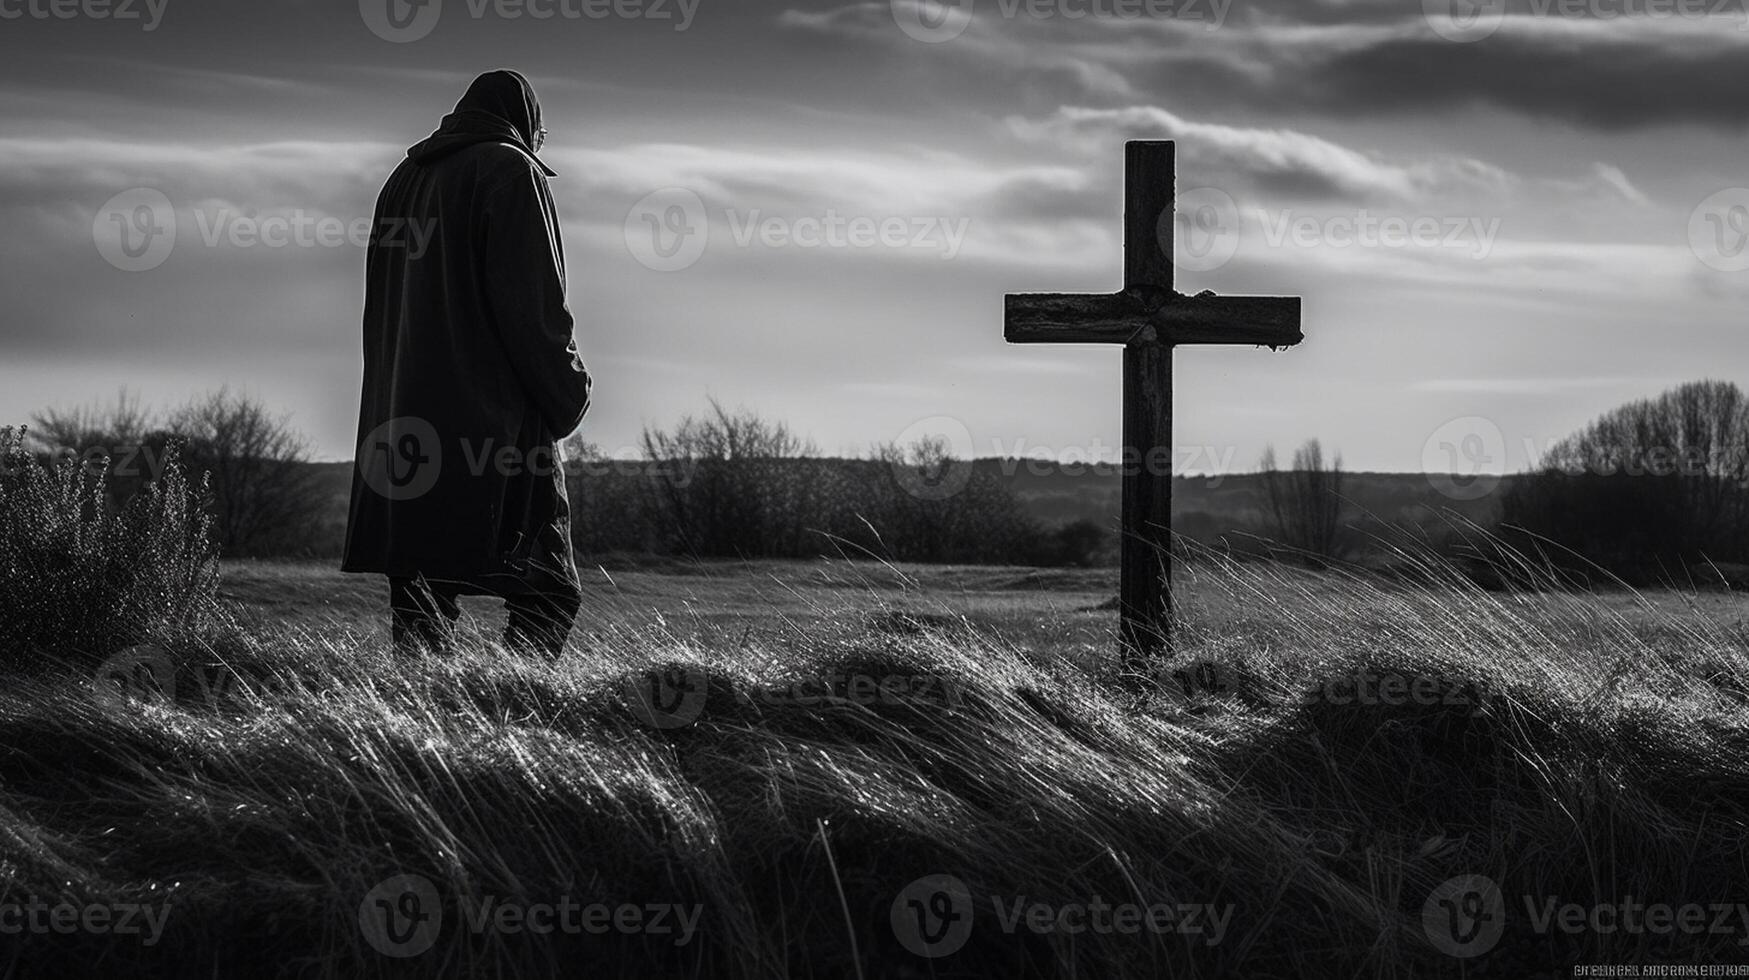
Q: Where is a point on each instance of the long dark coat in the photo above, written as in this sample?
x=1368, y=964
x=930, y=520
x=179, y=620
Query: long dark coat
x=471, y=370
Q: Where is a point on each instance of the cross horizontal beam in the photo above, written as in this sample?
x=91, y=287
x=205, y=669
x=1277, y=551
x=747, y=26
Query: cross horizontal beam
x=1122, y=318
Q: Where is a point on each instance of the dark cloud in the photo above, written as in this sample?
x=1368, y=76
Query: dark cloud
x=1602, y=83
x=1595, y=71
x=1604, y=75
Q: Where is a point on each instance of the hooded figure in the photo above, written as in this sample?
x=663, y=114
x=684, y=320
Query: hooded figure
x=471, y=378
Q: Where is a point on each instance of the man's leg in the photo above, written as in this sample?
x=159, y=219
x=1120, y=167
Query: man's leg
x=541, y=612
x=422, y=616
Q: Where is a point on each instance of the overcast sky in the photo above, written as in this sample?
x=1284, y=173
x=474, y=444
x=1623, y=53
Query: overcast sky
x=1577, y=177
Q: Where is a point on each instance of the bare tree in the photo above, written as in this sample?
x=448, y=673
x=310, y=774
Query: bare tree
x=93, y=428
x=917, y=516
x=1648, y=488
x=262, y=484
x=732, y=484
x=120, y=439
x=1305, y=503
x=725, y=435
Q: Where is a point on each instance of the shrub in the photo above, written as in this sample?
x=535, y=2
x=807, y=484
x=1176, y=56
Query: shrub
x=264, y=494
x=84, y=577
x=1081, y=543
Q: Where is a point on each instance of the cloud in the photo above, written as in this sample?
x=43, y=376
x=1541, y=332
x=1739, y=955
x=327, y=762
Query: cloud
x=1614, y=178
x=335, y=177
x=1000, y=49
x=1525, y=386
x=899, y=181
x=1353, y=58
x=1022, y=214
x=1282, y=167
x=1616, y=74
x=1281, y=161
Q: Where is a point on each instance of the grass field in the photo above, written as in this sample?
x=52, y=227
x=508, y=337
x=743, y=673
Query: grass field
x=838, y=769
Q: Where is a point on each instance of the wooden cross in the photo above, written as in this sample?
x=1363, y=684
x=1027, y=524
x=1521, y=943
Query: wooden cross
x=1149, y=318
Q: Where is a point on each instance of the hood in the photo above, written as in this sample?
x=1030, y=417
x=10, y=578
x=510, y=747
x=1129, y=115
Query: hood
x=499, y=107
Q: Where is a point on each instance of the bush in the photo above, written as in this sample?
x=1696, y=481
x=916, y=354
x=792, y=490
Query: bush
x=264, y=494
x=734, y=485
x=1081, y=543
x=84, y=577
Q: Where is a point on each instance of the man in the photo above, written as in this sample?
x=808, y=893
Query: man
x=471, y=378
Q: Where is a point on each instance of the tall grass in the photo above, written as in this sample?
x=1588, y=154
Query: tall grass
x=1578, y=748
x=82, y=578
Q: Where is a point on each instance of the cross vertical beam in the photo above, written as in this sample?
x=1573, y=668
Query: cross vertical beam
x=1145, y=595
x=1149, y=317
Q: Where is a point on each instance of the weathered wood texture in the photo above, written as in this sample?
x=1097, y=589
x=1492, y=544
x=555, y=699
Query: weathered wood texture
x=1149, y=318
x=1121, y=318
x=1145, y=587
x=1145, y=553
x=1149, y=193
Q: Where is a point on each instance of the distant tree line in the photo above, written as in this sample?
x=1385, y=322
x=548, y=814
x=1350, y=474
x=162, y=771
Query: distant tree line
x=725, y=484
x=730, y=484
x=1649, y=493
x=1655, y=491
